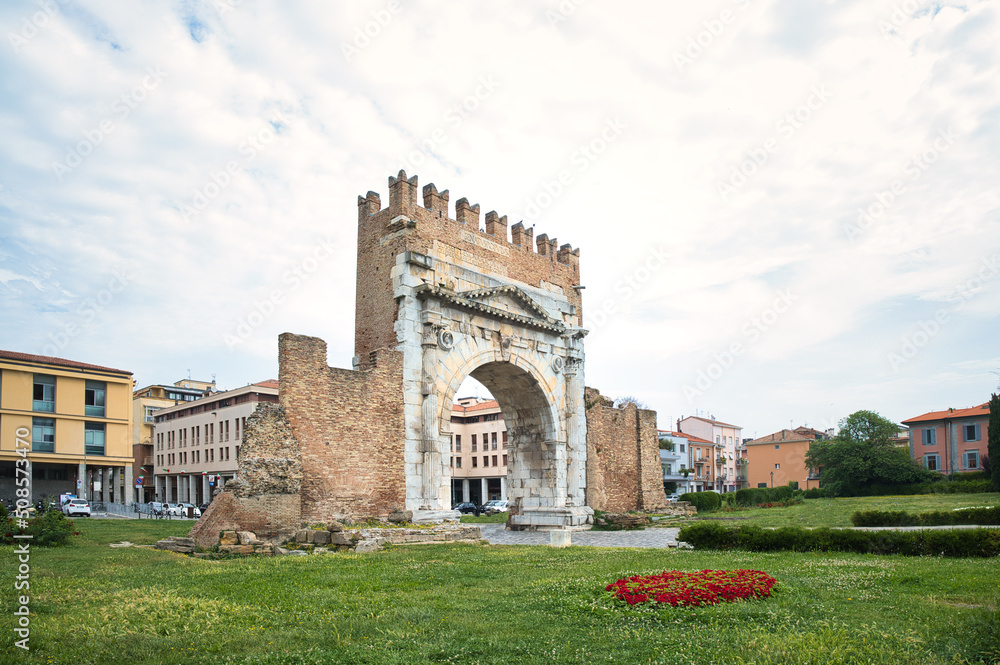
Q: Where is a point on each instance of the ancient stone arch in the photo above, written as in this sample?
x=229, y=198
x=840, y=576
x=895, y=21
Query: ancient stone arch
x=439, y=299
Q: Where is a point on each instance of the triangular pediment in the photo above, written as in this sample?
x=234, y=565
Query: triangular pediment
x=510, y=299
x=502, y=302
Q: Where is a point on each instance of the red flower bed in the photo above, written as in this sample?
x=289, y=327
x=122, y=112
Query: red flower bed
x=707, y=587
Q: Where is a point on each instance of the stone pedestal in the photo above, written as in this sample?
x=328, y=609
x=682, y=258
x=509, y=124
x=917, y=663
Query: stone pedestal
x=579, y=518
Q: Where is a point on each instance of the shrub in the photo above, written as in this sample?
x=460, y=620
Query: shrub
x=703, y=501
x=48, y=529
x=951, y=543
x=978, y=515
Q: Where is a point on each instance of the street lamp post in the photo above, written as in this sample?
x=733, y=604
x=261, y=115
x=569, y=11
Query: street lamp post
x=772, y=479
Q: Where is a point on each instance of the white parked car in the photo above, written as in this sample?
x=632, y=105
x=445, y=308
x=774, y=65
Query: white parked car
x=673, y=498
x=495, y=506
x=76, y=507
x=193, y=508
x=174, y=509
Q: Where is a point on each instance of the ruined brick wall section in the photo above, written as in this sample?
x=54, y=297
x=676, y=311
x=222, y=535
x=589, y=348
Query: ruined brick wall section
x=270, y=516
x=652, y=496
x=270, y=460
x=349, y=425
x=623, y=459
x=405, y=224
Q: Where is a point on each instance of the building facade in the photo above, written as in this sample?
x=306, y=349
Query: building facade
x=950, y=441
x=717, y=466
x=780, y=458
x=196, y=444
x=77, y=420
x=478, y=451
x=675, y=448
x=145, y=403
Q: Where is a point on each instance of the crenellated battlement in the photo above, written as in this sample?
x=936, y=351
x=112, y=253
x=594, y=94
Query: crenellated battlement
x=403, y=201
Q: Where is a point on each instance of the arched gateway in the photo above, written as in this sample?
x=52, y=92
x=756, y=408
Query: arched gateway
x=457, y=301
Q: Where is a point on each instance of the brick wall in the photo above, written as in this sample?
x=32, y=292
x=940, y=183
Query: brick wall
x=623, y=458
x=349, y=425
x=270, y=461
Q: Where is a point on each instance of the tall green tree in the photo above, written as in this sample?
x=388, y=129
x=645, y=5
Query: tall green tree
x=993, y=441
x=862, y=454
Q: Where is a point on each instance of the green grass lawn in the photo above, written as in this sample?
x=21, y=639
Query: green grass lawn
x=837, y=512
x=487, y=604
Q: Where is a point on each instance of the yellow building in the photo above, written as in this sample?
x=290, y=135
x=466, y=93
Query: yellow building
x=75, y=421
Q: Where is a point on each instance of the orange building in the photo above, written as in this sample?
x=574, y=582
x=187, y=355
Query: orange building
x=780, y=458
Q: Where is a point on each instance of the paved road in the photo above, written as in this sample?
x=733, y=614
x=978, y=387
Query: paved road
x=497, y=535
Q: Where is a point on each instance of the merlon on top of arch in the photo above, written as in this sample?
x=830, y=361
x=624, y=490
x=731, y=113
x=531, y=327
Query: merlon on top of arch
x=474, y=301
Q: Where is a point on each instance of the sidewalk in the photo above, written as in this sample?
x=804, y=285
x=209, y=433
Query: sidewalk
x=658, y=538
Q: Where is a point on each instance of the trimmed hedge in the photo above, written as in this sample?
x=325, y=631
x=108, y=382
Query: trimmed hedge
x=951, y=543
x=974, y=486
x=757, y=495
x=703, y=501
x=979, y=515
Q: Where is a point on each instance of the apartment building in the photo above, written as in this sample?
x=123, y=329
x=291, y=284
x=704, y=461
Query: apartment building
x=719, y=468
x=780, y=458
x=675, y=460
x=77, y=419
x=196, y=444
x=478, y=451
x=950, y=440
x=145, y=403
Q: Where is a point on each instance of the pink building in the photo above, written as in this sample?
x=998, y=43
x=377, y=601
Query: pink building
x=950, y=441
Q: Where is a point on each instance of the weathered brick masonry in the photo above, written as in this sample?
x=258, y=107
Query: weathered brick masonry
x=623, y=457
x=349, y=425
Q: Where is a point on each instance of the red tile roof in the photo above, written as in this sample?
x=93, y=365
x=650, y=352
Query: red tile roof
x=270, y=383
x=785, y=435
x=973, y=412
x=49, y=360
x=690, y=437
x=488, y=404
x=714, y=422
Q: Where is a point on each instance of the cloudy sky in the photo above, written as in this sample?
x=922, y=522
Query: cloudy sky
x=786, y=211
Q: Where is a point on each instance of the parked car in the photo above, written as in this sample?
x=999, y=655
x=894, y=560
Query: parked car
x=673, y=498
x=466, y=508
x=156, y=508
x=190, y=508
x=495, y=506
x=203, y=507
x=174, y=509
x=76, y=507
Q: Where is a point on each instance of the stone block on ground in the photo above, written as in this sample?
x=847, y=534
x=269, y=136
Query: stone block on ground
x=246, y=537
x=322, y=537
x=366, y=546
x=399, y=516
x=333, y=526
x=229, y=538
x=236, y=549
x=176, y=544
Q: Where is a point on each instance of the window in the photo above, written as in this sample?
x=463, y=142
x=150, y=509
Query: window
x=761, y=484
x=970, y=460
x=505, y=460
x=237, y=428
x=777, y=466
x=932, y=462
x=717, y=437
x=930, y=436
x=150, y=410
x=493, y=438
x=475, y=461
x=43, y=435
x=486, y=460
x=776, y=446
x=93, y=438
x=682, y=448
x=971, y=434
x=494, y=460
x=491, y=416
x=504, y=438
x=486, y=440
x=452, y=461
x=93, y=398
x=44, y=394
x=458, y=443
x=458, y=462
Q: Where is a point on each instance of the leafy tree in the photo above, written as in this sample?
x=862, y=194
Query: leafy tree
x=863, y=454
x=993, y=441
